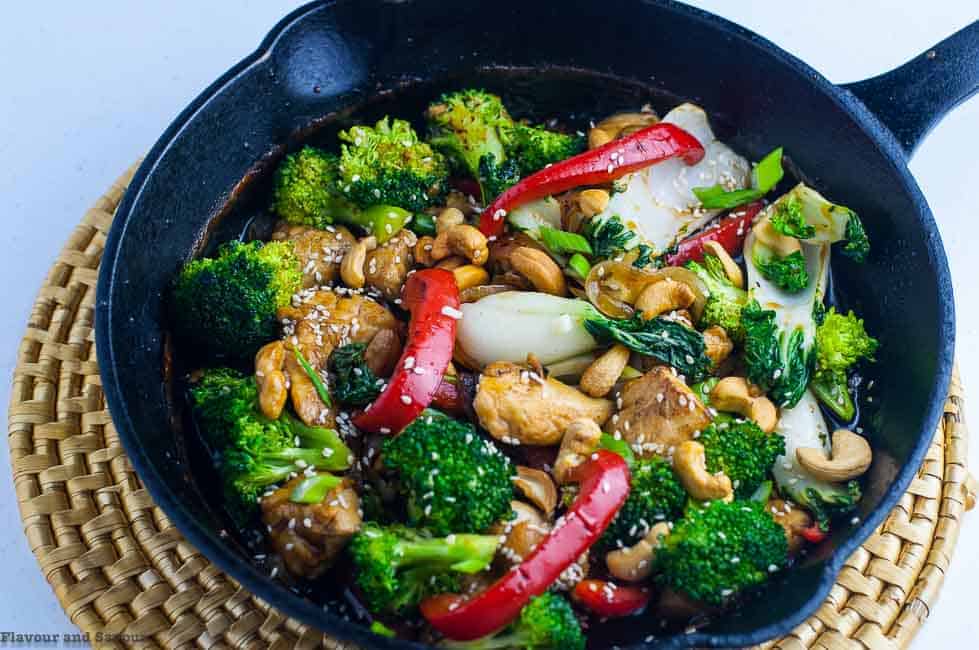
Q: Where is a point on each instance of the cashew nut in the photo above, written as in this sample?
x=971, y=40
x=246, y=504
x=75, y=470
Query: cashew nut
x=690, y=465
x=850, y=457
x=734, y=394
x=470, y=275
x=783, y=245
x=793, y=520
x=580, y=439
x=538, y=267
x=447, y=218
x=635, y=563
x=599, y=378
x=352, y=266
x=462, y=240
x=592, y=202
x=619, y=125
x=383, y=352
x=423, y=251
x=717, y=343
x=731, y=268
x=664, y=296
x=272, y=388
x=538, y=487
x=451, y=263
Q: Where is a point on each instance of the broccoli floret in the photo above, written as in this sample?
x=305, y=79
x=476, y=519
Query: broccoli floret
x=453, y=480
x=221, y=397
x=724, y=300
x=776, y=359
x=465, y=125
x=308, y=192
x=264, y=452
x=306, y=189
x=227, y=304
x=841, y=341
x=546, y=623
x=355, y=384
x=787, y=219
x=494, y=179
x=655, y=495
x=397, y=567
x=257, y=452
x=536, y=147
x=715, y=552
x=610, y=237
x=788, y=273
x=388, y=165
x=741, y=450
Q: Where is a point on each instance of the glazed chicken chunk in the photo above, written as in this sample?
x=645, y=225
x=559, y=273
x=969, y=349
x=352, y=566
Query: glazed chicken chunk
x=309, y=537
x=319, y=251
x=518, y=406
x=387, y=266
x=318, y=322
x=657, y=412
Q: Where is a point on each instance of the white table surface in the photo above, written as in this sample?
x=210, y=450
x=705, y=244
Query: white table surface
x=87, y=87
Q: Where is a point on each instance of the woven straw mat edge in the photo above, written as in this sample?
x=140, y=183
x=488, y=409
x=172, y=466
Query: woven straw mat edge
x=119, y=566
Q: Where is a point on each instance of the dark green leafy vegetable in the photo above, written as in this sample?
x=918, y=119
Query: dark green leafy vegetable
x=669, y=341
x=610, y=237
x=775, y=360
x=788, y=273
x=857, y=245
x=787, y=219
x=355, y=384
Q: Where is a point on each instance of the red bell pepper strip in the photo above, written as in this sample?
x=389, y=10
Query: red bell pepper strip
x=814, y=534
x=449, y=397
x=432, y=298
x=613, y=160
x=603, y=487
x=729, y=232
x=608, y=600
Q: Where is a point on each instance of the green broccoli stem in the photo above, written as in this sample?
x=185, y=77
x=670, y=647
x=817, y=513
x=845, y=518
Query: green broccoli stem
x=313, y=489
x=461, y=553
x=831, y=389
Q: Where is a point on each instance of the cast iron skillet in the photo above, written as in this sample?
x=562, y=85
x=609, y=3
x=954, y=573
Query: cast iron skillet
x=326, y=57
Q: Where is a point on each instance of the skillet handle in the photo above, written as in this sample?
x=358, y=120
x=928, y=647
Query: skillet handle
x=911, y=99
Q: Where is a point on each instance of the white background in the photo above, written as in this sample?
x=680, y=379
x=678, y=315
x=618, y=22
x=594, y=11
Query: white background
x=88, y=86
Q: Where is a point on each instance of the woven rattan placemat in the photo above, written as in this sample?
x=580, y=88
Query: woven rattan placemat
x=119, y=566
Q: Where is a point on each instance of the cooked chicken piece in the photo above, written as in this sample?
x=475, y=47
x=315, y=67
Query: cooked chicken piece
x=793, y=519
x=517, y=406
x=321, y=321
x=309, y=537
x=658, y=412
x=387, y=265
x=523, y=533
x=320, y=251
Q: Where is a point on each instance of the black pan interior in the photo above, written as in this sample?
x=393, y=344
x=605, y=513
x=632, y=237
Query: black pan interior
x=207, y=181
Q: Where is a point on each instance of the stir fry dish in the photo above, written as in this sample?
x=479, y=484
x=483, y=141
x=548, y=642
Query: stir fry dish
x=507, y=381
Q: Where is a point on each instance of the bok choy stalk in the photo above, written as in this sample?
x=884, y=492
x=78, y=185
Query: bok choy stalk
x=508, y=326
x=779, y=324
x=803, y=426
